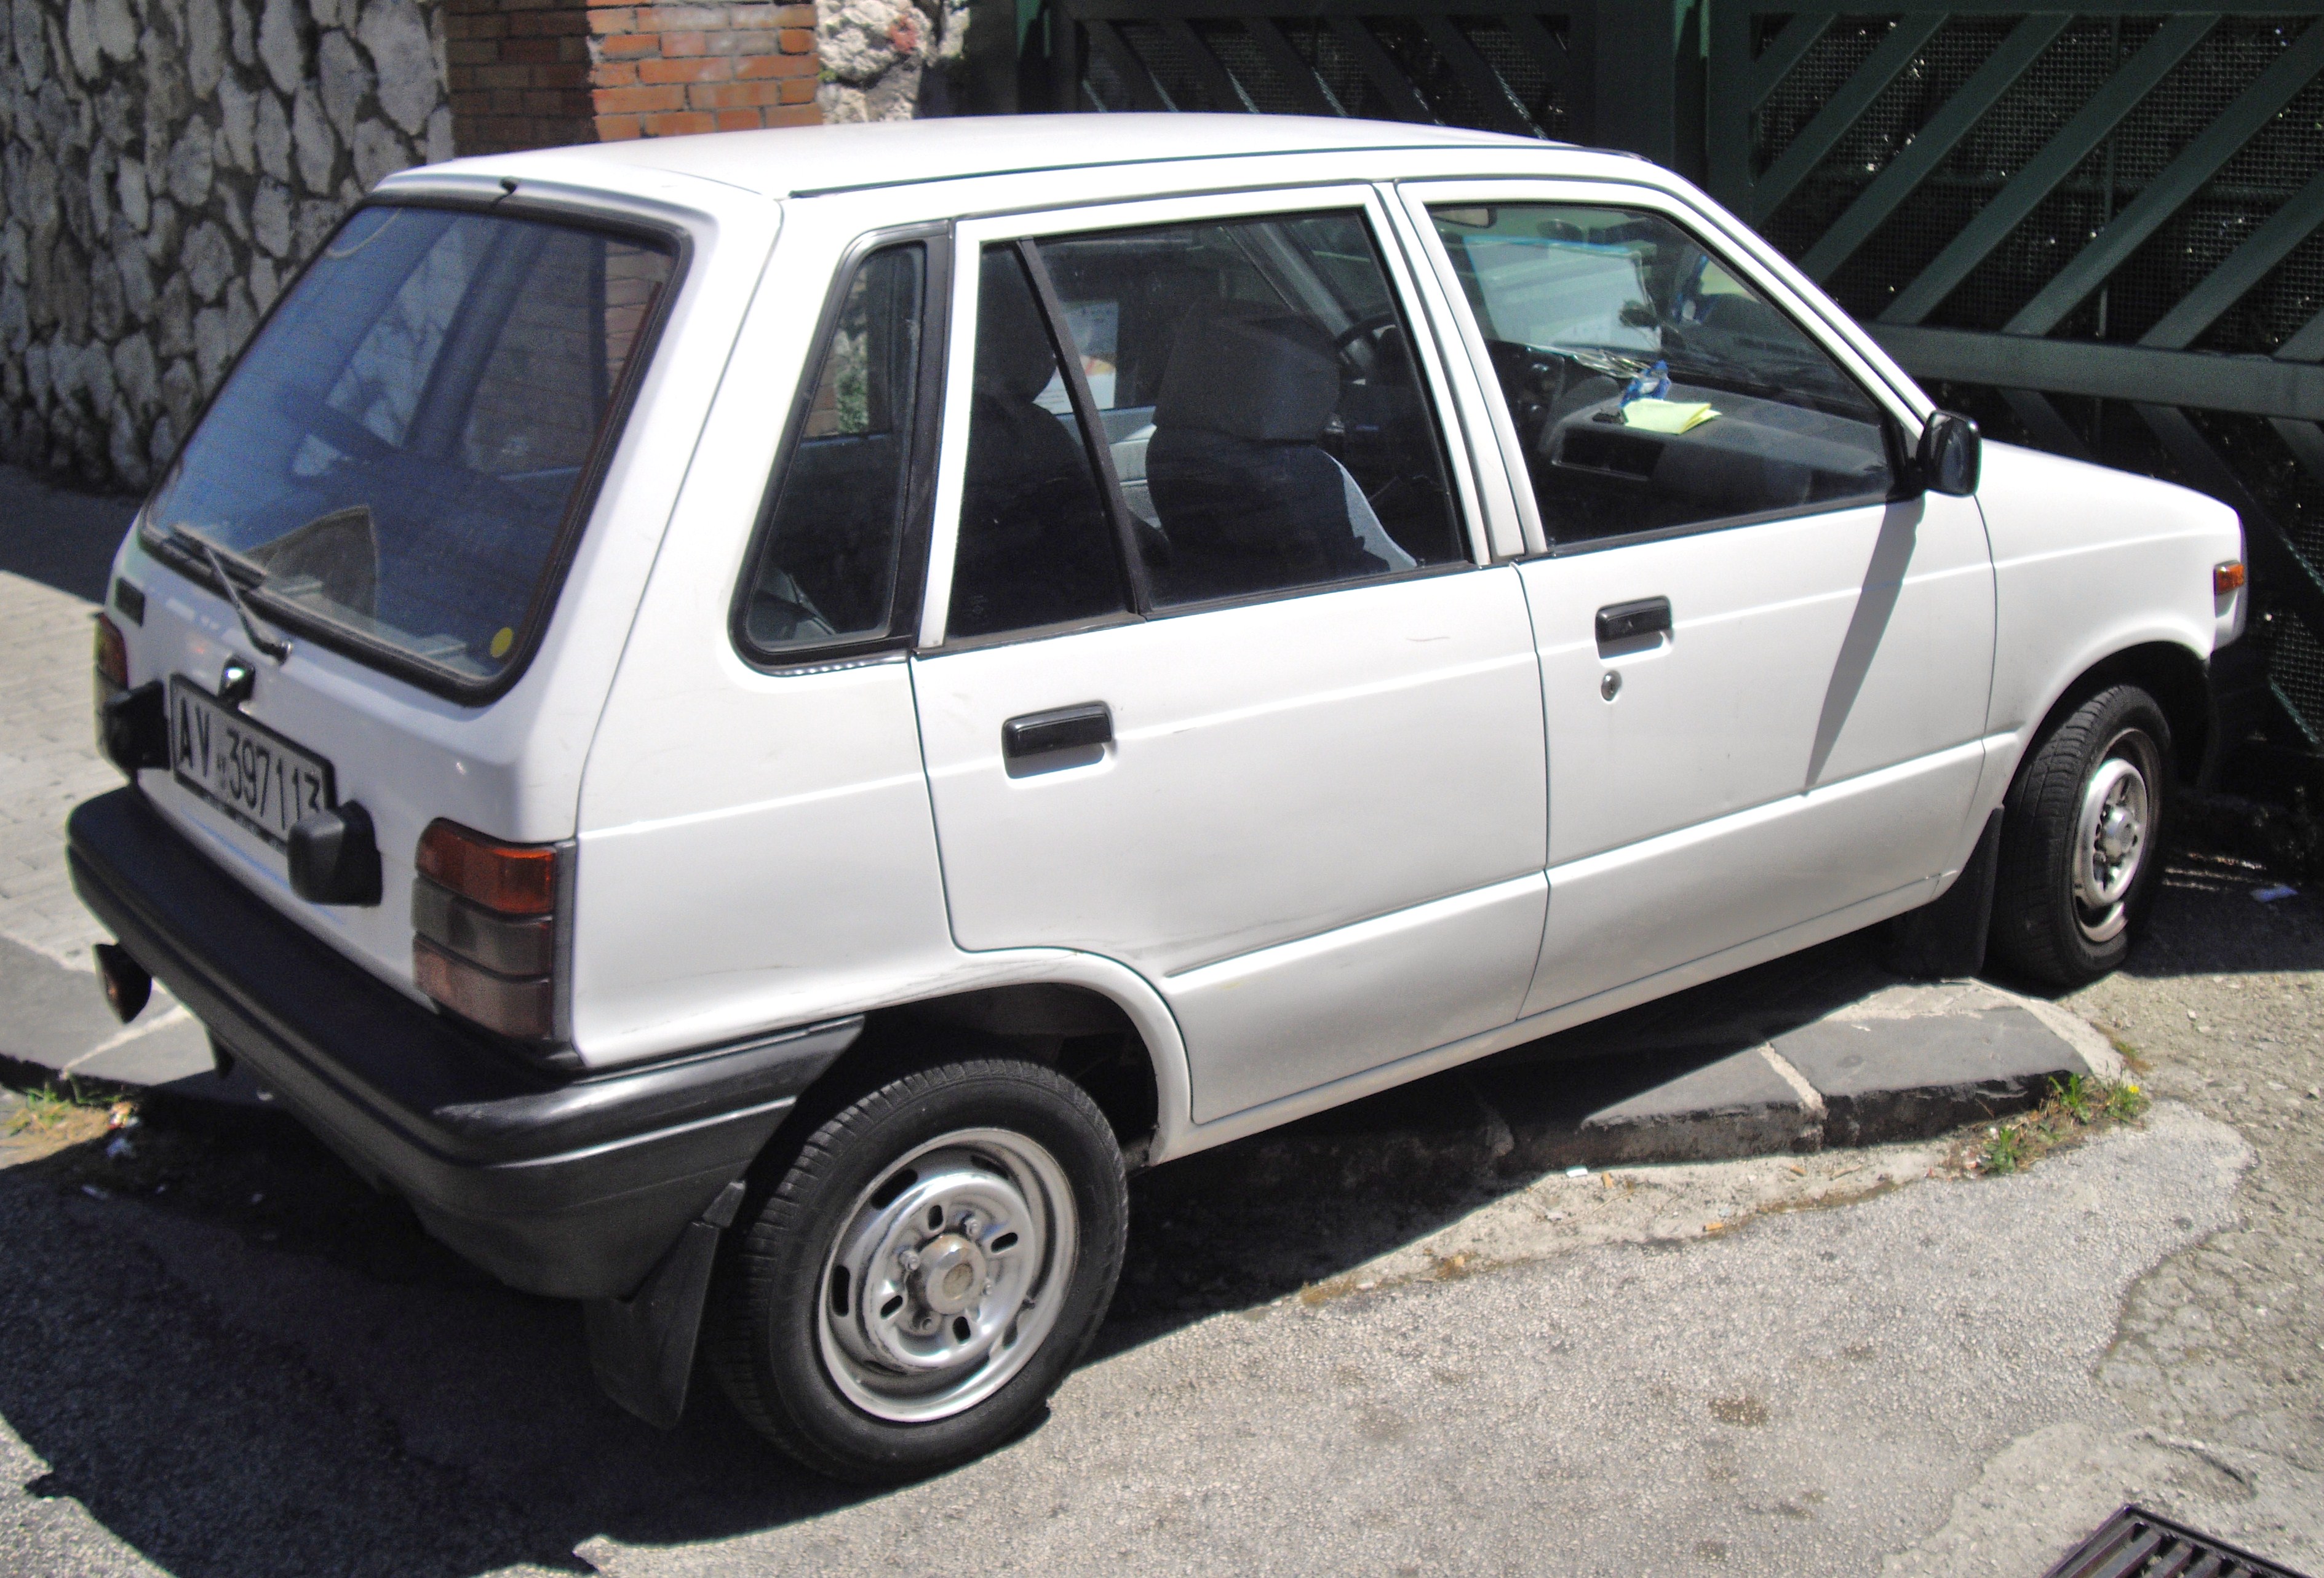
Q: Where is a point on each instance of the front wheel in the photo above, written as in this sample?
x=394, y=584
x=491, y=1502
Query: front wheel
x=924, y=1272
x=2080, y=840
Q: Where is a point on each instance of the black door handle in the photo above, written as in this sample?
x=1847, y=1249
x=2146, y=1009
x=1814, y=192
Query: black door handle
x=1074, y=728
x=1626, y=621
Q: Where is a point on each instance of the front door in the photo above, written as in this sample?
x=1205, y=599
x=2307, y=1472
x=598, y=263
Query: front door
x=1764, y=665
x=1223, y=690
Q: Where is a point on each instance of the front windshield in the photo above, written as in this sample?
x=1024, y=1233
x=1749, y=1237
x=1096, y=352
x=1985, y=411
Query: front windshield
x=396, y=454
x=1615, y=291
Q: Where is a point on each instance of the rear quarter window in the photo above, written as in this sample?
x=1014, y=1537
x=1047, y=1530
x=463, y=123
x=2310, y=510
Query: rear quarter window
x=402, y=458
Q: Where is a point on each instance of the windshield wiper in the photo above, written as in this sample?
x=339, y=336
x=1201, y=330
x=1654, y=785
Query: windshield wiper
x=265, y=640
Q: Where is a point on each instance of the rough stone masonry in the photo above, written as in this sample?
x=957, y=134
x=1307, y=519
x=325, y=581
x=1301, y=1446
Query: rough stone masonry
x=165, y=165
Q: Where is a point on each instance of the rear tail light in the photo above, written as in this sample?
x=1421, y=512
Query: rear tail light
x=112, y=658
x=485, y=918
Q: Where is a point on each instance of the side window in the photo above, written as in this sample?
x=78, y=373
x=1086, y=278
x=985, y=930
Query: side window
x=1258, y=394
x=1650, y=386
x=1036, y=545
x=827, y=564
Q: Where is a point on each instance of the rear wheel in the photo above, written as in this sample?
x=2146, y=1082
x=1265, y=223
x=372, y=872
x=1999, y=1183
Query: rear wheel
x=924, y=1272
x=2080, y=849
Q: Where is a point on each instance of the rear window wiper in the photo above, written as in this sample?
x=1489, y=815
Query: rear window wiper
x=264, y=640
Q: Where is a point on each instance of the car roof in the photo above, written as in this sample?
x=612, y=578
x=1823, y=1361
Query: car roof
x=803, y=160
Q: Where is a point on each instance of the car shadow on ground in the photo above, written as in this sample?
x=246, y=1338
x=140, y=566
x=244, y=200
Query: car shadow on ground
x=239, y=1360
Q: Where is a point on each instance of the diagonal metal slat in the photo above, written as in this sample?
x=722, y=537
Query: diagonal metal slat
x=2180, y=180
x=2059, y=157
x=2010, y=59
x=1145, y=92
x=2241, y=269
x=1484, y=84
x=1824, y=129
x=1785, y=51
x=2307, y=345
x=2306, y=442
x=1404, y=100
x=2290, y=579
x=2052, y=431
x=1225, y=92
x=1314, y=98
x=1545, y=46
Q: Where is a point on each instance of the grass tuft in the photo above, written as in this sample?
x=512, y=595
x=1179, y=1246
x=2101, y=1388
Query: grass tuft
x=2076, y=1108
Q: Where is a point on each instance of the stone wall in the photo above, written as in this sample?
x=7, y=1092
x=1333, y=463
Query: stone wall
x=164, y=165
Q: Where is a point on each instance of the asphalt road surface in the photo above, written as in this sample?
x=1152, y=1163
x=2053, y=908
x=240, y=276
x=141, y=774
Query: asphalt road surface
x=262, y=1369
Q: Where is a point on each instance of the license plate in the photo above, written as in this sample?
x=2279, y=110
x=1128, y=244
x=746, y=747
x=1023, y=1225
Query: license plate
x=245, y=769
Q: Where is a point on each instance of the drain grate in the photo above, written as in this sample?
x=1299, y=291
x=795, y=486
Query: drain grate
x=2136, y=1544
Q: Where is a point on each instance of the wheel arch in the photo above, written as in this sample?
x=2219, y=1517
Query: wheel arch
x=2174, y=675
x=1092, y=1020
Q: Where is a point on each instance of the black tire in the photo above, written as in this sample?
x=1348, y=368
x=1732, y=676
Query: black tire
x=802, y=1357
x=2053, y=922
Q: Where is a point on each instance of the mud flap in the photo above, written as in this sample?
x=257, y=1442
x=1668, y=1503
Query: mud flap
x=642, y=1346
x=1945, y=940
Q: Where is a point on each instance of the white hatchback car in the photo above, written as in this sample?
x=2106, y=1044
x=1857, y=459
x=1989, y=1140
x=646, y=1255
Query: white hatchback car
x=747, y=720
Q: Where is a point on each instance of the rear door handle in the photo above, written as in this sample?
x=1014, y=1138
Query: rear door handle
x=1074, y=728
x=1626, y=621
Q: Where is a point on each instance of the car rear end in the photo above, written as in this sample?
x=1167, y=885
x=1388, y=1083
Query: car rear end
x=352, y=658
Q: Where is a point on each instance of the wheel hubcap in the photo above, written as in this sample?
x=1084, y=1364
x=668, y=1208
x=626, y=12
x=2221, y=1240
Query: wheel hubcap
x=947, y=1275
x=2110, y=835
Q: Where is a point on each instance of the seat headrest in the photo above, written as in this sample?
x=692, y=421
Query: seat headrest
x=1249, y=373
x=1014, y=360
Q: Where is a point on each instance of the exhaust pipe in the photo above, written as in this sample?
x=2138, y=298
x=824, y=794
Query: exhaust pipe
x=127, y=984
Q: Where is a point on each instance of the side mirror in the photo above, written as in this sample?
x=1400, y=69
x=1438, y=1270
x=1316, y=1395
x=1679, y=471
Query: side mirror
x=1949, y=454
x=334, y=856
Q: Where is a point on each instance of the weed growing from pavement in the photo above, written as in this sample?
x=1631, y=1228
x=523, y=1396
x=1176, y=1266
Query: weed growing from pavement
x=57, y=1104
x=2076, y=1108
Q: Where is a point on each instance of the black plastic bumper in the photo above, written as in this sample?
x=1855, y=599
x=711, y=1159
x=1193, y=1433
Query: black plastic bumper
x=570, y=1187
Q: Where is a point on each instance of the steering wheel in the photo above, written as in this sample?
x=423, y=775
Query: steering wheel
x=1370, y=325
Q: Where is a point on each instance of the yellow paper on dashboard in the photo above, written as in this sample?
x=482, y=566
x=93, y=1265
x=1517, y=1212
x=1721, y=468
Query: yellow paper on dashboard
x=1672, y=417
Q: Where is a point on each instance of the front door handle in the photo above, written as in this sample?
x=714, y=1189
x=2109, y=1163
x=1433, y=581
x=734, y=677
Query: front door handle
x=1626, y=621
x=1079, y=726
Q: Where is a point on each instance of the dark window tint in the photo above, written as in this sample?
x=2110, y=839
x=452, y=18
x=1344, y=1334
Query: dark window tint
x=1257, y=389
x=397, y=450
x=1036, y=546
x=1650, y=386
x=827, y=569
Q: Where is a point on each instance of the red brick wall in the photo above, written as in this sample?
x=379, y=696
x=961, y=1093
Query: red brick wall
x=542, y=73
x=666, y=69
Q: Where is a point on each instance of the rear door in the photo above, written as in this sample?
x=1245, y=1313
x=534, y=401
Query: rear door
x=1224, y=688
x=1765, y=665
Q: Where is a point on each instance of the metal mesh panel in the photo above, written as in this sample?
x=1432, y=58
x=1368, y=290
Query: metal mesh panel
x=1447, y=96
x=1520, y=70
x=2295, y=661
x=1103, y=87
x=1181, y=88
x=1343, y=76
x=1263, y=89
x=2018, y=127
x=1821, y=73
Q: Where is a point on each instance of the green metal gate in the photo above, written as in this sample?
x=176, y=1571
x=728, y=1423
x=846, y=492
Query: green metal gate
x=2096, y=231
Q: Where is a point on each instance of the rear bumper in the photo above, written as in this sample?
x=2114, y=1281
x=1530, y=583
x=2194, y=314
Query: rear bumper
x=569, y=1188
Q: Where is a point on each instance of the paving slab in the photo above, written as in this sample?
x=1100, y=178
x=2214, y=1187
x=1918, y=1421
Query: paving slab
x=1747, y=1104
x=1907, y=1078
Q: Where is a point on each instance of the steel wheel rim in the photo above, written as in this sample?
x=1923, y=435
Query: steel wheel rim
x=947, y=1274
x=2113, y=829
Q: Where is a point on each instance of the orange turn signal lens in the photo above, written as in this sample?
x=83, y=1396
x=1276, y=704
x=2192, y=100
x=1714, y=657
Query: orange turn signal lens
x=2228, y=577
x=513, y=879
x=112, y=654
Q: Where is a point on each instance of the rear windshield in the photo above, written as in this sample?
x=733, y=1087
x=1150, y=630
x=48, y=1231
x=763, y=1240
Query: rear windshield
x=398, y=451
